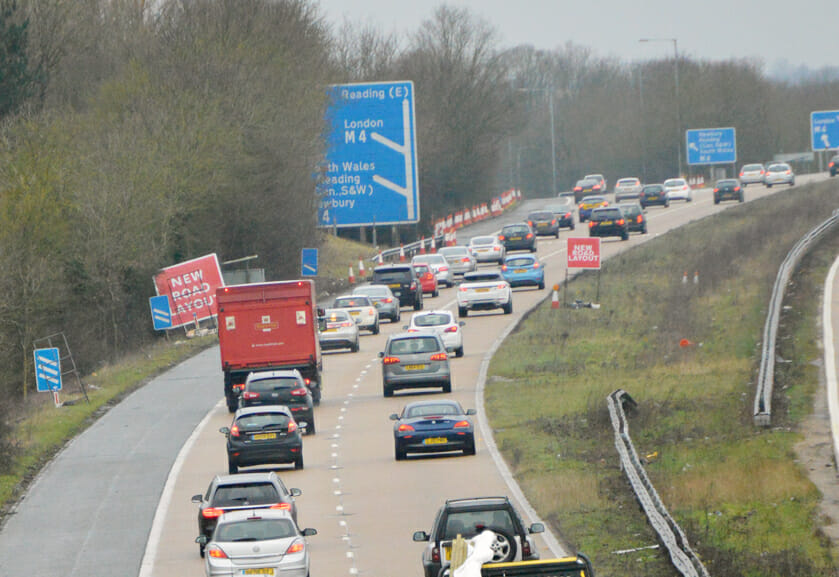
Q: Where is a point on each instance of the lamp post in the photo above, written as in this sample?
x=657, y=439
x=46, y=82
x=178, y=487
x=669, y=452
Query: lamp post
x=550, y=92
x=678, y=103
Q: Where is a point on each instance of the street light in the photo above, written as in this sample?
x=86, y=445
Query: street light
x=678, y=104
x=550, y=92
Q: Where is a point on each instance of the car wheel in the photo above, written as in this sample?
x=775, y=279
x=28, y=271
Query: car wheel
x=557, y=233
x=418, y=304
x=298, y=462
x=503, y=547
x=375, y=330
x=542, y=285
x=716, y=200
x=462, y=312
x=458, y=352
x=232, y=467
x=435, y=294
x=644, y=230
x=741, y=199
x=398, y=453
x=768, y=186
x=354, y=347
x=572, y=226
x=388, y=392
x=398, y=316
x=508, y=308
x=533, y=248
x=792, y=182
x=447, y=387
x=625, y=236
x=316, y=395
x=470, y=448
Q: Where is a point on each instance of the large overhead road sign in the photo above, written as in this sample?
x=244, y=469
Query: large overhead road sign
x=824, y=130
x=371, y=171
x=711, y=146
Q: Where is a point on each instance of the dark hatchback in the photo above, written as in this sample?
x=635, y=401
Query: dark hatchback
x=246, y=491
x=608, y=221
x=518, y=236
x=544, y=223
x=728, y=189
x=403, y=283
x=635, y=217
x=654, y=194
x=433, y=427
x=586, y=187
x=280, y=388
x=262, y=436
x=563, y=208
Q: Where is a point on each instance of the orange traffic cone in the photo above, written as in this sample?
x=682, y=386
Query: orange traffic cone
x=684, y=343
x=381, y=260
x=422, y=245
x=433, y=245
x=555, y=297
x=352, y=276
x=361, y=272
x=401, y=253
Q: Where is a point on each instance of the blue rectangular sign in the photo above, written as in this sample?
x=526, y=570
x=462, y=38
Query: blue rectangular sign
x=371, y=161
x=824, y=129
x=711, y=146
x=161, y=312
x=309, y=262
x=47, y=370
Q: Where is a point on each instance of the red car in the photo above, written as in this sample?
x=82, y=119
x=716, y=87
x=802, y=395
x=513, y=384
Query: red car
x=427, y=279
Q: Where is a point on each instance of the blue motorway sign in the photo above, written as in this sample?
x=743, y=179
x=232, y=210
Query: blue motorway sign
x=711, y=146
x=47, y=370
x=161, y=312
x=371, y=160
x=824, y=130
x=309, y=262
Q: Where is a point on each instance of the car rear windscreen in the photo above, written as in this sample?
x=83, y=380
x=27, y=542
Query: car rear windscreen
x=263, y=421
x=268, y=385
x=431, y=320
x=244, y=494
x=611, y=214
x=392, y=276
x=255, y=530
x=522, y=261
x=414, y=345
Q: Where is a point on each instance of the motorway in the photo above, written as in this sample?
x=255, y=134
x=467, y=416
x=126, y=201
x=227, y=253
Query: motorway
x=116, y=501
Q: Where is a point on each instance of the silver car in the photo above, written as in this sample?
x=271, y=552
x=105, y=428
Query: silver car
x=487, y=249
x=440, y=266
x=752, y=174
x=779, y=173
x=444, y=324
x=337, y=330
x=383, y=298
x=628, y=189
x=361, y=309
x=460, y=259
x=415, y=361
x=257, y=542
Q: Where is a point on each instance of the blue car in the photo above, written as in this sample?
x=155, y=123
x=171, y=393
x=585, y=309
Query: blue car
x=523, y=270
x=433, y=427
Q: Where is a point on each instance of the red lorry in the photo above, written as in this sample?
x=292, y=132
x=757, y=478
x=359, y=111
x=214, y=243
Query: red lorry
x=268, y=326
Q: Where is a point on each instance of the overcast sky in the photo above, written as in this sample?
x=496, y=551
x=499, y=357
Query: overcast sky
x=804, y=32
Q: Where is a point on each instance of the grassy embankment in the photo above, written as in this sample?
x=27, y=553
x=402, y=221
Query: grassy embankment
x=41, y=429
x=747, y=506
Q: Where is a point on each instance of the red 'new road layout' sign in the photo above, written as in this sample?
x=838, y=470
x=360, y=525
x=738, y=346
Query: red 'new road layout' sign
x=191, y=288
x=584, y=252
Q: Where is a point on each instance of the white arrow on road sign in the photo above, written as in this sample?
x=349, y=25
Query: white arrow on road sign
x=405, y=150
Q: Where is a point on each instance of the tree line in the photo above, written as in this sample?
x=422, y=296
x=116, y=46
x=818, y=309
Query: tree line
x=134, y=135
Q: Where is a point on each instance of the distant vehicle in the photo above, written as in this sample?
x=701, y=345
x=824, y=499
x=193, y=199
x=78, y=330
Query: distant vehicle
x=653, y=194
x=263, y=542
x=563, y=207
x=262, y=436
x=487, y=249
x=628, y=189
x=678, y=189
x=635, y=218
x=601, y=180
x=833, y=165
x=779, y=173
x=427, y=279
x=752, y=174
x=383, y=298
x=361, y=309
x=460, y=259
x=402, y=281
x=433, y=427
x=280, y=388
x=518, y=236
x=250, y=491
x=443, y=324
x=728, y=189
x=415, y=361
x=608, y=221
x=523, y=270
x=268, y=326
x=338, y=330
x=588, y=204
x=468, y=517
x=484, y=290
x=587, y=187
x=544, y=223
x=439, y=264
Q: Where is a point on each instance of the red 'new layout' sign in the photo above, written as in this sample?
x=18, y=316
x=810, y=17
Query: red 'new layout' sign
x=191, y=288
x=584, y=253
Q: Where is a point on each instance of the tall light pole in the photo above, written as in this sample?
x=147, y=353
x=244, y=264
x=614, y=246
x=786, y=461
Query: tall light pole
x=678, y=100
x=550, y=92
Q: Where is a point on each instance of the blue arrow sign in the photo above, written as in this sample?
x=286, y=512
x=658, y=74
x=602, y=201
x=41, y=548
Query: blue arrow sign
x=371, y=160
x=711, y=146
x=824, y=130
x=47, y=370
x=161, y=312
x=309, y=262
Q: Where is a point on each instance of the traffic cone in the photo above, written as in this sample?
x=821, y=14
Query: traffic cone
x=422, y=245
x=696, y=277
x=684, y=343
x=685, y=278
x=433, y=245
x=361, y=273
x=401, y=253
x=381, y=260
x=555, y=297
x=352, y=276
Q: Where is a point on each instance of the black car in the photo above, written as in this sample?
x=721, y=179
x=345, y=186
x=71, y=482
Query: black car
x=468, y=517
x=246, y=491
x=563, y=209
x=518, y=236
x=403, y=282
x=263, y=436
x=543, y=223
x=280, y=388
x=653, y=194
x=587, y=187
x=728, y=189
x=833, y=165
x=433, y=427
x=608, y=221
x=635, y=217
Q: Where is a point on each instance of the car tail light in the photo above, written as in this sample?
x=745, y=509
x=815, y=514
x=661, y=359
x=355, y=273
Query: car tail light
x=788, y=172
x=443, y=269
x=405, y=428
x=463, y=289
x=553, y=221
x=621, y=221
x=716, y=190
x=526, y=553
x=596, y=187
x=301, y=392
x=606, y=203
x=281, y=506
x=504, y=267
x=535, y=265
x=736, y=188
x=529, y=223
x=451, y=329
x=581, y=206
x=307, y=382
x=640, y=219
x=413, y=330
x=347, y=324
x=830, y=164
x=296, y=547
x=496, y=249
x=741, y=175
x=567, y=215
x=529, y=235
x=292, y=426
x=388, y=300
x=238, y=387
x=371, y=311
x=212, y=513
x=435, y=554
x=439, y=357
x=250, y=395
x=390, y=360
x=216, y=552
x=461, y=424
x=591, y=224
x=413, y=285
x=578, y=188
x=234, y=431
x=500, y=237
x=465, y=259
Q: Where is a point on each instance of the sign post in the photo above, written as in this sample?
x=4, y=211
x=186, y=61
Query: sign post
x=711, y=146
x=371, y=160
x=48, y=372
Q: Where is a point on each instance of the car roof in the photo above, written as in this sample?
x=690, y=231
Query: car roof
x=425, y=403
x=593, y=198
x=278, y=374
x=414, y=335
x=594, y=175
x=484, y=238
x=606, y=208
x=389, y=267
x=243, y=478
x=675, y=180
x=629, y=179
x=245, y=514
x=339, y=312
x=262, y=409
x=471, y=502
x=364, y=287
x=434, y=312
x=520, y=255
x=509, y=224
x=632, y=205
x=483, y=272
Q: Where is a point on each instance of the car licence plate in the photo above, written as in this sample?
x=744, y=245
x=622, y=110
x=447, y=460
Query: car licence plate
x=355, y=313
x=263, y=436
x=258, y=571
x=397, y=285
x=520, y=270
x=414, y=367
x=435, y=441
x=482, y=290
x=515, y=238
x=606, y=222
x=330, y=330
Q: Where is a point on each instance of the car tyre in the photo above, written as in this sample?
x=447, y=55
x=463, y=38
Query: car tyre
x=557, y=233
x=398, y=453
x=388, y=392
x=504, y=546
x=232, y=467
x=418, y=304
x=201, y=551
x=310, y=428
x=298, y=462
x=470, y=448
x=354, y=347
x=447, y=387
x=716, y=200
x=533, y=248
x=740, y=198
x=462, y=312
x=435, y=294
x=397, y=317
x=625, y=236
x=375, y=329
x=768, y=186
x=458, y=352
x=508, y=308
x=542, y=285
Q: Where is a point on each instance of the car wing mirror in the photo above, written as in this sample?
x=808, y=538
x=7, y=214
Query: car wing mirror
x=462, y=323
x=308, y=532
x=394, y=417
x=197, y=498
x=201, y=539
x=295, y=492
x=471, y=412
x=537, y=528
x=420, y=536
x=381, y=354
x=404, y=327
x=224, y=430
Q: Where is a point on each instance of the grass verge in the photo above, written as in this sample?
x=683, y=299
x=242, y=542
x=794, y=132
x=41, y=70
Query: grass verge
x=747, y=506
